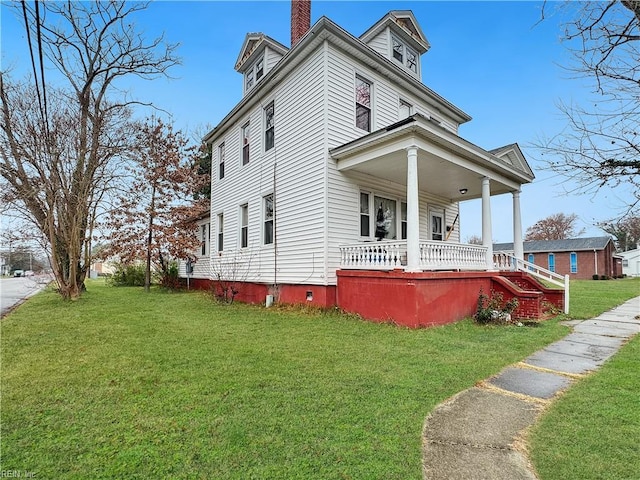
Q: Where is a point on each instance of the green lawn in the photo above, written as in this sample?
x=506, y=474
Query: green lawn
x=123, y=384
x=593, y=431
x=126, y=385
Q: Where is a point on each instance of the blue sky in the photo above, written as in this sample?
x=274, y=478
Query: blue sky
x=494, y=60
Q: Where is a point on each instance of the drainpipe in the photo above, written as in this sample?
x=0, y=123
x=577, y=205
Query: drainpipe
x=595, y=260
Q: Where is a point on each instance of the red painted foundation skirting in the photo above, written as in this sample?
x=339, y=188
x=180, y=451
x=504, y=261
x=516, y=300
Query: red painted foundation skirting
x=412, y=300
x=316, y=295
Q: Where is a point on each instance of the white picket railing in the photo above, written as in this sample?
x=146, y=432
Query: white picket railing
x=452, y=256
x=390, y=254
x=383, y=255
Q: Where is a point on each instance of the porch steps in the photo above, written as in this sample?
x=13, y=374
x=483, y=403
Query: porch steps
x=536, y=301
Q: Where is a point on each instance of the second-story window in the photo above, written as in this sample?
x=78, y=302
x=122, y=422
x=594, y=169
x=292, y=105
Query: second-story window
x=221, y=161
x=363, y=104
x=268, y=219
x=268, y=127
x=245, y=144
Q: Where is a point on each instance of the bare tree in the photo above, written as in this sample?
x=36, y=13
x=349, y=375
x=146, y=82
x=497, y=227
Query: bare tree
x=555, y=227
x=626, y=232
x=600, y=145
x=151, y=220
x=57, y=151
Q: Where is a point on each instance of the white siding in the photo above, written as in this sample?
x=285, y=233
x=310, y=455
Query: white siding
x=293, y=170
x=271, y=57
x=380, y=43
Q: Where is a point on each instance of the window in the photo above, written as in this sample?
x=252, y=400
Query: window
x=364, y=215
x=405, y=55
x=437, y=222
x=254, y=74
x=363, y=104
x=268, y=127
x=552, y=262
x=221, y=161
x=245, y=144
x=220, y=232
x=268, y=219
x=412, y=60
x=259, y=68
x=625, y=262
x=573, y=261
x=204, y=230
x=398, y=50
x=531, y=259
x=406, y=109
x=385, y=217
x=244, y=226
x=403, y=220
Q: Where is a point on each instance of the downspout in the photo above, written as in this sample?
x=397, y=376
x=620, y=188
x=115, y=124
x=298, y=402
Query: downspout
x=595, y=261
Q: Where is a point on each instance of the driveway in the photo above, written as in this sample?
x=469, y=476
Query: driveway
x=14, y=291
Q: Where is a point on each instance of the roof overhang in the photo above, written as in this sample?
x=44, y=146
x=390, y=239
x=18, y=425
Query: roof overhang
x=448, y=165
x=324, y=29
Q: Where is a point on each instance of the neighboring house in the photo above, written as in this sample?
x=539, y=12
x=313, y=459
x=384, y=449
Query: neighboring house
x=631, y=262
x=580, y=258
x=337, y=178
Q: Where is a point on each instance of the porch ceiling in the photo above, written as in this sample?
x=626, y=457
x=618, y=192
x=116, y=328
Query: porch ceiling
x=446, y=162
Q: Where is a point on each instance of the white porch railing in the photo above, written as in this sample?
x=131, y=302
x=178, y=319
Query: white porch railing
x=390, y=254
x=506, y=261
x=452, y=256
x=383, y=255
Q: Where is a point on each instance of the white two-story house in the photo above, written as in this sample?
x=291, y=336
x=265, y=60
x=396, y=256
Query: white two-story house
x=337, y=178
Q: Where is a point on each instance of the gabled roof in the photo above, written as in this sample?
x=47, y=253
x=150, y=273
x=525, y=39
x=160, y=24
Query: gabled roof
x=400, y=20
x=566, y=245
x=254, y=43
x=322, y=30
x=512, y=155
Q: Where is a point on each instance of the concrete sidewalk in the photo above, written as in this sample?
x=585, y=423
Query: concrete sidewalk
x=475, y=434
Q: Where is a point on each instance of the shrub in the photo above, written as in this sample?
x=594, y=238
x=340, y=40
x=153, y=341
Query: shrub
x=128, y=275
x=604, y=277
x=595, y=276
x=170, y=277
x=493, y=309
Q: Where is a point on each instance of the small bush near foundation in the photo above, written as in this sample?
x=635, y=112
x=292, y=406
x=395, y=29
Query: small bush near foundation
x=595, y=276
x=493, y=309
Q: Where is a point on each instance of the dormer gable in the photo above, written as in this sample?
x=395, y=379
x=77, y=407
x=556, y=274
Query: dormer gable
x=398, y=37
x=258, y=55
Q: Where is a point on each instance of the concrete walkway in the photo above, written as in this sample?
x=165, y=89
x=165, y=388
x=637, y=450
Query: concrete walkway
x=476, y=434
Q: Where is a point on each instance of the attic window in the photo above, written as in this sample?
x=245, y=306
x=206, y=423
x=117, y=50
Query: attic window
x=405, y=55
x=398, y=50
x=254, y=73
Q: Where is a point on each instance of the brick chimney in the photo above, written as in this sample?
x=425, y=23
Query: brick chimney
x=300, y=19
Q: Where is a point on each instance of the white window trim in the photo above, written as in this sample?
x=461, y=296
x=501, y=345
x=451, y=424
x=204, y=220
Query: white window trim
x=264, y=125
x=245, y=125
x=263, y=220
x=240, y=225
x=405, y=58
x=372, y=213
x=440, y=212
x=252, y=70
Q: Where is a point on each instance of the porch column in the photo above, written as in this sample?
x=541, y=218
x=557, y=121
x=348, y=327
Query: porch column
x=518, y=248
x=487, y=234
x=413, y=215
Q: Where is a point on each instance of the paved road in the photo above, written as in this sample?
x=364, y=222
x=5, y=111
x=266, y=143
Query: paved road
x=14, y=290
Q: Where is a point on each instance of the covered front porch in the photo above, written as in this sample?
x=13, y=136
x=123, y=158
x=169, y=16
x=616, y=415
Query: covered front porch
x=416, y=281
x=427, y=158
